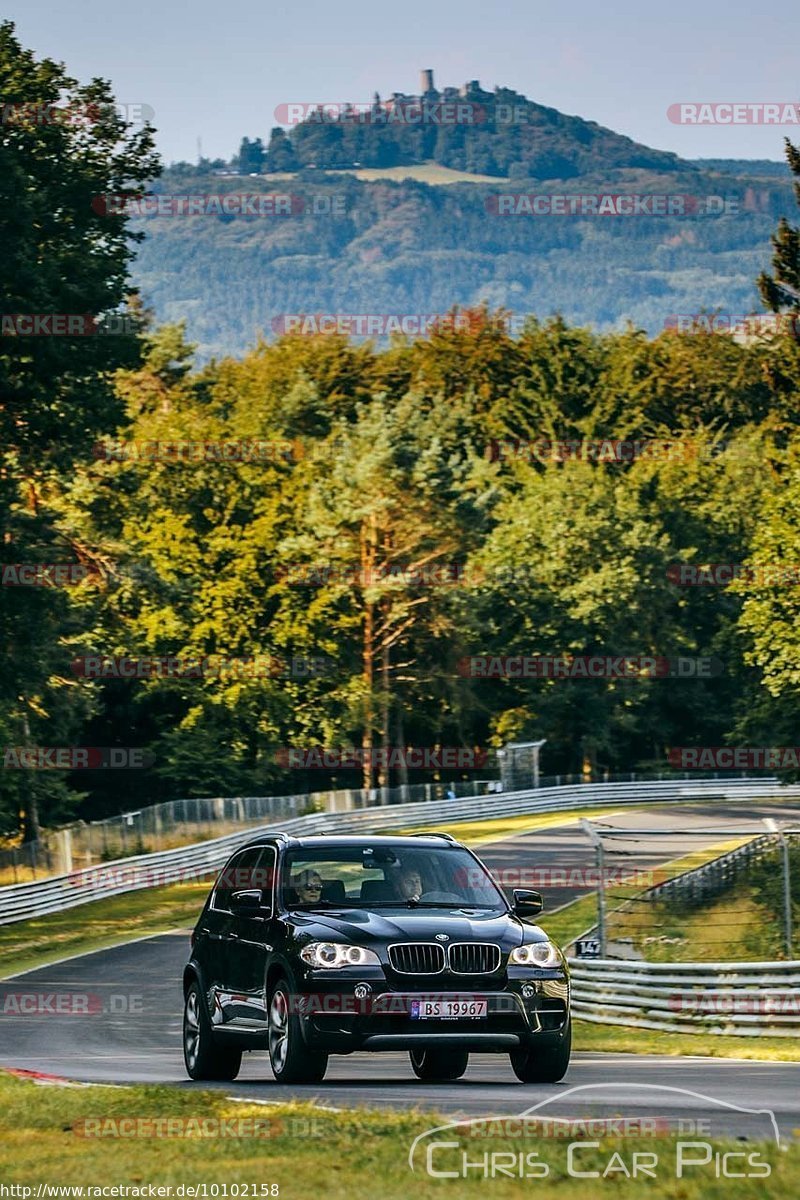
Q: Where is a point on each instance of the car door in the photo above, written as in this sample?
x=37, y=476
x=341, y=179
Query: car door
x=222, y=935
x=250, y=942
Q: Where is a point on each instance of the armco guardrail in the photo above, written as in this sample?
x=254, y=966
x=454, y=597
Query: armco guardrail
x=22, y=900
x=751, y=999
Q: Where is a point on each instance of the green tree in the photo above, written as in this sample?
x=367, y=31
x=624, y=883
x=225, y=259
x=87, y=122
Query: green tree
x=781, y=289
x=67, y=159
x=250, y=159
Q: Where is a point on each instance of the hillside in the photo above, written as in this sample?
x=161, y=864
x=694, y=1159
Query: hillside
x=387, y=246
x=392, y=207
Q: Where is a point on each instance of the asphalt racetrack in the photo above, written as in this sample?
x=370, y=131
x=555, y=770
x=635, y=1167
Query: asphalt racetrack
x=132, y=1033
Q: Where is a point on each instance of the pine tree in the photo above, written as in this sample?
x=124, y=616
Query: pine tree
x=782, y=289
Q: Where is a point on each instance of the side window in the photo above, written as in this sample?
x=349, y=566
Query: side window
x=239, y=874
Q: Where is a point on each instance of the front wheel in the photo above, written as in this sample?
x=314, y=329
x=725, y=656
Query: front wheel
x=292, y=1061
x=439, y=1065
x=203, y=1057
x=545, y=1064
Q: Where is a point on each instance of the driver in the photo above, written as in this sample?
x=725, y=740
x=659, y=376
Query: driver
x=308, y=886
x=409, y=883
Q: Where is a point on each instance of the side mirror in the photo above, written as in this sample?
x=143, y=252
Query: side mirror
x=527, y=904
x=249, y=903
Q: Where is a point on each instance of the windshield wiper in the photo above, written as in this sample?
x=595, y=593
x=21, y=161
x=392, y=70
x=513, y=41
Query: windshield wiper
x=451, y=904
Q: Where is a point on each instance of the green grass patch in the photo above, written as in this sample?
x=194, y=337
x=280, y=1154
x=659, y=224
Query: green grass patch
x=567, y=923
x=353, y=1153
x=99, y=924
x=732, y=928
x=429, y=172
x=621, y=1039
x=497, y=829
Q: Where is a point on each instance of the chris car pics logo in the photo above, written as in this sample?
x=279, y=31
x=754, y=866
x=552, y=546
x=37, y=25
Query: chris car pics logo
x=537, y=1145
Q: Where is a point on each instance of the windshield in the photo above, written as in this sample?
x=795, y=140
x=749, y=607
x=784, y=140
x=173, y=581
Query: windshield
x=387, y=877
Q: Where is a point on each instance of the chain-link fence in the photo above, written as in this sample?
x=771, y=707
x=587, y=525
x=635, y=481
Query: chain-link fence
x=179, y=822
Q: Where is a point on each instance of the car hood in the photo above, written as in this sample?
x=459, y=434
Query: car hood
x=364, y=926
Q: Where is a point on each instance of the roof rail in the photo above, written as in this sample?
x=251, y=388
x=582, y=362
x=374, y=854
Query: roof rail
x=448, y=837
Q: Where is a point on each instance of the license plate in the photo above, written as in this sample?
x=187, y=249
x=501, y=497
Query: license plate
x=447, y=1010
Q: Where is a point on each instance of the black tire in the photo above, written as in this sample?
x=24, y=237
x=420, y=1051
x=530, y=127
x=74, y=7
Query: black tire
x=291, y=1059
x=435, y=1065
x=204, y=1058
x=545, y=1064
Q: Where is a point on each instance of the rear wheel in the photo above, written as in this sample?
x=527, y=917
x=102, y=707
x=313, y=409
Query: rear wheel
x=435, y=1065
x=203, y=1057
x=291, y=1059
x=545, y=1064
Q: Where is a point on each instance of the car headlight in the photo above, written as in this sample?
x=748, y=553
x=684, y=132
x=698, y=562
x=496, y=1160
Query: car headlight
x=324, y=955
x=536, y=954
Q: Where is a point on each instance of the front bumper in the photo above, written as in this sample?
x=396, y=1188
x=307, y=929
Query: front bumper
x=370, y=1015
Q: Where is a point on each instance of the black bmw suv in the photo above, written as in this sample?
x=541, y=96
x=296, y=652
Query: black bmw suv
x=322, y=945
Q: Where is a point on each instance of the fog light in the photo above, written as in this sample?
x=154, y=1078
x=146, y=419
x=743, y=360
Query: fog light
x=361, y=991
x=528, y=992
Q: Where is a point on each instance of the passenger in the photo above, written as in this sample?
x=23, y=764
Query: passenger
x=308, y=886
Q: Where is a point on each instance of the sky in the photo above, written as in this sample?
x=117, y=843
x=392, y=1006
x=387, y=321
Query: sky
x=218, y=71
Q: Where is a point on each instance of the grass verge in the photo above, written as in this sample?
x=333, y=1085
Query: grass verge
x=565, y=924
x=97, y=925
x=307, y=1150
x=619, y=1039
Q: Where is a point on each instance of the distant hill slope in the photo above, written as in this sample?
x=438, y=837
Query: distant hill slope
x=385, y=247
x=392, y=209
x=762, y=168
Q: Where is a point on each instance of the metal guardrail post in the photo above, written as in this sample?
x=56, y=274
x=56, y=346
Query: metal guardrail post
x=596, y=840
x=773, y=827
